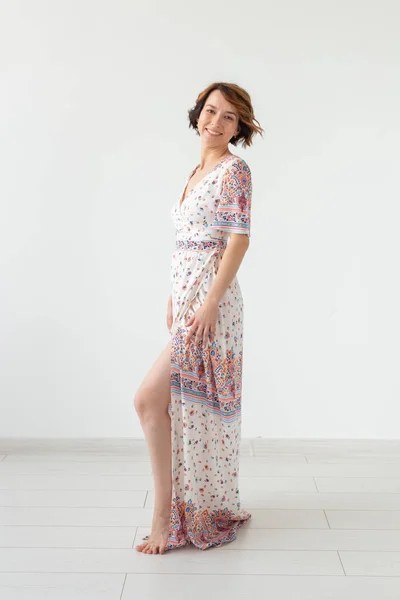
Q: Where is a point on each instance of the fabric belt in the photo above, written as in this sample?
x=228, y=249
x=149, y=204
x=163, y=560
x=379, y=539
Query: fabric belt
x=200, y=246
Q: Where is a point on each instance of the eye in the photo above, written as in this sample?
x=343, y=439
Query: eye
x=211, y=110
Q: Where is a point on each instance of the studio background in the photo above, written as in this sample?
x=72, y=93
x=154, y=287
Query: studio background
x=95, y=148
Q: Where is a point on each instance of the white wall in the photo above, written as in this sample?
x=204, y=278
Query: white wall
x=94, y=150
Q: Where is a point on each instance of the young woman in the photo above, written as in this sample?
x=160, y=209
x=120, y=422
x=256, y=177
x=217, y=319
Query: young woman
x=189, y=404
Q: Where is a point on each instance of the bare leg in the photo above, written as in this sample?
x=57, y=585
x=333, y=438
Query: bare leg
x=151, y=404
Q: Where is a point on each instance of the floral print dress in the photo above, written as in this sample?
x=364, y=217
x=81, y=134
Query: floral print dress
x=206, y=382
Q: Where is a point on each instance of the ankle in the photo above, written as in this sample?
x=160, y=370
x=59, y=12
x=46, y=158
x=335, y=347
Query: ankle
x=162, y=513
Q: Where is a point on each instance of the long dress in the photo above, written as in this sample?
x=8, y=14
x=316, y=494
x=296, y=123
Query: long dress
x=206, y=382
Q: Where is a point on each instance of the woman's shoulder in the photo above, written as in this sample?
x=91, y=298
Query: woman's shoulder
x=238, y=162
x=237, y=166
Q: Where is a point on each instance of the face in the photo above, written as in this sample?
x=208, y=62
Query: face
x=219, y=116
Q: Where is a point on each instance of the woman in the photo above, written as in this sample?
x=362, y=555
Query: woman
x=189, y=403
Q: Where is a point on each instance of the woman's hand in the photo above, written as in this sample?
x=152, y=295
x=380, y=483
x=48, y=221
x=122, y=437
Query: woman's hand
x=169, y=314
x=203, y=323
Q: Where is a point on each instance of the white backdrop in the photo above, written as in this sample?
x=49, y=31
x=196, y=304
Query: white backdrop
x=94, y=150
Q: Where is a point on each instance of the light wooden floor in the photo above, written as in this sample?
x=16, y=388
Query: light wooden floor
x=325, y=524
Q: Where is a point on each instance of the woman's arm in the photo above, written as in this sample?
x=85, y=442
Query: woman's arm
x=203, y=322
x=169, y=313
x=229, y=266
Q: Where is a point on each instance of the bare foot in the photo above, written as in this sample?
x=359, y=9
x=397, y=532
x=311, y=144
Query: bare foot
x=158, y=537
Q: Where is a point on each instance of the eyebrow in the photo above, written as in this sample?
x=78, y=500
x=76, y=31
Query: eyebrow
x=227, y=111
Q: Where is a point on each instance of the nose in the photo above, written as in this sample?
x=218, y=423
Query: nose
x=215, y=124
x=216, y=120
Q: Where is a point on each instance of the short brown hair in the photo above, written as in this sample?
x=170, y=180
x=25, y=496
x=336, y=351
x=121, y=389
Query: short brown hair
x=240, y=100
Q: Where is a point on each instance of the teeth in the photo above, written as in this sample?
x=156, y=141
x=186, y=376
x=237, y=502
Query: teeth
x=212, y=132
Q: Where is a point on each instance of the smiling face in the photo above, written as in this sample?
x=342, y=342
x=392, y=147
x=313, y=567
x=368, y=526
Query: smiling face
x=218, y=121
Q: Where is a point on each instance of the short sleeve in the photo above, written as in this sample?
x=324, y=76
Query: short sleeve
x=234, y=199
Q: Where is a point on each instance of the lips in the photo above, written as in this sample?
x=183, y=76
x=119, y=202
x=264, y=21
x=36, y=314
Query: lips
x=213, y=133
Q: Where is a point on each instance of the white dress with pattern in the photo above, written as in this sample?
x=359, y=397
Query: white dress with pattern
x=206, y=382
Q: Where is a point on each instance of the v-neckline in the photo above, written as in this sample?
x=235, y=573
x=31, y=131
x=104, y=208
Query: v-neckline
x=183, y=198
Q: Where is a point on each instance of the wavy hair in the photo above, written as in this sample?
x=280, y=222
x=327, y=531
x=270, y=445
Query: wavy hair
x=248, y=124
